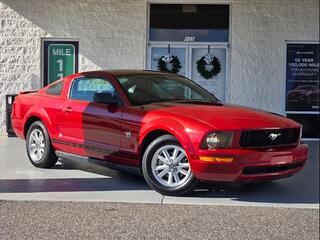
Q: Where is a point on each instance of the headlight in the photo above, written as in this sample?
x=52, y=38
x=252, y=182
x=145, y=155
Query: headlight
x=217, y=140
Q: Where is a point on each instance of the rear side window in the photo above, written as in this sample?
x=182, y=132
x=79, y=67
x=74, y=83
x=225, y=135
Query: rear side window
x=85, y=88
x=55, y=89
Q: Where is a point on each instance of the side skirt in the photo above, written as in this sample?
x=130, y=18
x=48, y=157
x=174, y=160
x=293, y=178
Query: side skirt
x=99, y=162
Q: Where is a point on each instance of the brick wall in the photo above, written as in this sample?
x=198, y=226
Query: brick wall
x=259, y=31
x=112, y=34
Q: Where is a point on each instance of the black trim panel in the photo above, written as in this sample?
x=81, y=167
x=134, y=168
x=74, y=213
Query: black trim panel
x=271, y=169
x=100, y=162
x=84, y=146
x=98, y=149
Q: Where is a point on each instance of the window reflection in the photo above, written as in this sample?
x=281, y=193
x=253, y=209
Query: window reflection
x=178, y=22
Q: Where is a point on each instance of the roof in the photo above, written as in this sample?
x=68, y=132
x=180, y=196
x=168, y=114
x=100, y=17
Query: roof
x=122, y=72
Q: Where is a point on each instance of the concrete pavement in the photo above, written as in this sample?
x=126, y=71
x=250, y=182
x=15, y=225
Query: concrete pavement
x=74, y=181
x=100, y=220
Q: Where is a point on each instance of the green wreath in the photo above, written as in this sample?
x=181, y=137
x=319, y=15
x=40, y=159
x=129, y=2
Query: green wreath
x=216, y=67
x=176, y=65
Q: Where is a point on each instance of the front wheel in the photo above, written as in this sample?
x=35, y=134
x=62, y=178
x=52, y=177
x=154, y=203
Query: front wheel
x=39, y=148
x=166, y=167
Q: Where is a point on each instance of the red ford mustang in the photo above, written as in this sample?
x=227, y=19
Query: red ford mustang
x=172, y=129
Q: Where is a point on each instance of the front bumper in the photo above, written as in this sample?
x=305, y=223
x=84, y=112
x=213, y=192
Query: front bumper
x=249, y=164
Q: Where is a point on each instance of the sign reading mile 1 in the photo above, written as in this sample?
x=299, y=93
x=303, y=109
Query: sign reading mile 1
x=60, y=59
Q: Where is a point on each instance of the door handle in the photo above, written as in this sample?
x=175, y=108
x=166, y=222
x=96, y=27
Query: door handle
x=67, y=109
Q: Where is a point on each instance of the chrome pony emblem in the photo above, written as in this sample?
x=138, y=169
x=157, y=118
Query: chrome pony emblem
x=273, y=136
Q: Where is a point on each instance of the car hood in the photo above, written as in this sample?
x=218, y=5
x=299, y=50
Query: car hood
x=225, y=116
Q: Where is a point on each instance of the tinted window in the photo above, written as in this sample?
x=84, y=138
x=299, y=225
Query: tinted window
x=189, y=22
x=84, y=88
x=144, y=89
x=310, y=122
x=55, y=89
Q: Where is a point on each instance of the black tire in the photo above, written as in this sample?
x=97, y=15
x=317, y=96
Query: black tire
x=151, y=150
x=49, y=158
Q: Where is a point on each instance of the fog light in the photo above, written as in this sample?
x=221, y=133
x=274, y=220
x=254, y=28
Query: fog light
x=216, y=159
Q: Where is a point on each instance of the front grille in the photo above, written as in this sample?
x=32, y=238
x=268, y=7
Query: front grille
x=269, y=137
x=270, y=169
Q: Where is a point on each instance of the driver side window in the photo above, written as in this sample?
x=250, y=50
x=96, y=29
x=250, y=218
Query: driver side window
x=84, y=88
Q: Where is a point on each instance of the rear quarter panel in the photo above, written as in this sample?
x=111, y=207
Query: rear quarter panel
x=39, y=105
x=35, y=105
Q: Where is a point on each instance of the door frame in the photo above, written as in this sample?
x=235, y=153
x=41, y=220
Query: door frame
x=188, y=46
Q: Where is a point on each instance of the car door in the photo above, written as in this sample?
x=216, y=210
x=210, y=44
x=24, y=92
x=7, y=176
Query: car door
x=93, y=129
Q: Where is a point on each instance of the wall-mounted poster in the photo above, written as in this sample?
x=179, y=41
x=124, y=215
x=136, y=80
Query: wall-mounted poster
x=302, y=77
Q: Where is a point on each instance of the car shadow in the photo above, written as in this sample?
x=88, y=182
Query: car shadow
x=272, y=192
x=70, y=185
x=281, y=191
x=302, y=188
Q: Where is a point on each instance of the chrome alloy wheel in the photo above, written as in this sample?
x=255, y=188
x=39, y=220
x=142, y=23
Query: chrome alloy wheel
x=170, y=166
x=36, y=145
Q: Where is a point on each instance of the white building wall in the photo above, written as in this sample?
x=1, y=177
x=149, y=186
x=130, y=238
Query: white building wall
x=259, y=31
x=112, y=34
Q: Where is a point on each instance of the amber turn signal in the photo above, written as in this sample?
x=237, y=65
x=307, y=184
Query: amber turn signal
x=216, y=159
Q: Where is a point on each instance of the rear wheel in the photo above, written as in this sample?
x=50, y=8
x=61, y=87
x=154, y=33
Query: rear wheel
x=39, y=148
x=166, y=167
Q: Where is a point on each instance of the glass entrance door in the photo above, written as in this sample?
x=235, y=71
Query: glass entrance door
x=216, y=83
x=158, y=51
x=188, y=55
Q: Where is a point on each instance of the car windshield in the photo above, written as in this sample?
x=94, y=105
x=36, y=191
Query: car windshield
x=145, y=89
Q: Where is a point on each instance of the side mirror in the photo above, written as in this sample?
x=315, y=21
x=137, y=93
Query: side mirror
x=105, y=97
